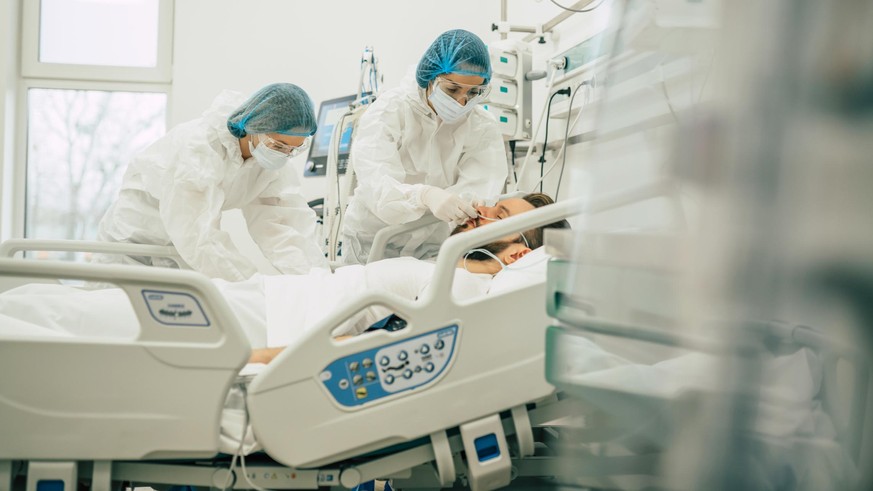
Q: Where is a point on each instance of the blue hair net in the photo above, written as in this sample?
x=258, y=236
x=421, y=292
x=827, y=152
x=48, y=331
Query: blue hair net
x=276, y=108
x=455, y=51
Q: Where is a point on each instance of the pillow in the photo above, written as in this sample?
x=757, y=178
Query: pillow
x=526, y=271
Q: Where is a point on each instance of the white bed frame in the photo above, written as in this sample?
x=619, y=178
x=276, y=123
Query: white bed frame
x=162, y=394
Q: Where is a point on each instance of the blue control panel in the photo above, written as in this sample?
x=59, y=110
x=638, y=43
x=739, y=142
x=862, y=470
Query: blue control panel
x=175, y=308
x=380, y=372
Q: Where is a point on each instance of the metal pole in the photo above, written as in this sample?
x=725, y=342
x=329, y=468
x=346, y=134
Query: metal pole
x=503, y=16
x=548, y=26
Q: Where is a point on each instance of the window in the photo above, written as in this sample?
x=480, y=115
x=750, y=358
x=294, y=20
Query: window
x=78, y=145
x=95, y=79
x=121, y=40
x=99, y=33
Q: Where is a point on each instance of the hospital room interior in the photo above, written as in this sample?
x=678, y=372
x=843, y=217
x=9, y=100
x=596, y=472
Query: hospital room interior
x=421, y=245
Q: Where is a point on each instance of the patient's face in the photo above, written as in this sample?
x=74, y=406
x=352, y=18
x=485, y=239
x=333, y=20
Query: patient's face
x=489, y=214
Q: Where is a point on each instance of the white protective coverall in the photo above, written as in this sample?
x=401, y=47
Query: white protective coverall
x=174, y=191
x=402, y=145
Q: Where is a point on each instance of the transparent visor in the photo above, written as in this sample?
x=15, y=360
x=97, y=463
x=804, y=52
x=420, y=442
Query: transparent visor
x=290, y=151
x=463, y=93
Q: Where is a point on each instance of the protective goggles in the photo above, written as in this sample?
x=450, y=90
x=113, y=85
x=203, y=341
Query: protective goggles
x=278, y=146
x=458, y=91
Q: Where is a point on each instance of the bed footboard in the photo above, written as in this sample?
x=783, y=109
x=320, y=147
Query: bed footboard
x=157, y=396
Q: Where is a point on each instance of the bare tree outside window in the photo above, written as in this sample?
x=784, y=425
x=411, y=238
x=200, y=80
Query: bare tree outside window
x=78, y=145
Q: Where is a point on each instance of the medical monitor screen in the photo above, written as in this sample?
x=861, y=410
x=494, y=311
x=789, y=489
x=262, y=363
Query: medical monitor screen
x=329, y=114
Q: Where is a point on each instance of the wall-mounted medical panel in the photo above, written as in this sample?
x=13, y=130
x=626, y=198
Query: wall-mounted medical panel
x=504, y=63
x=506, y=118
x=504, y=92
x=510, y=61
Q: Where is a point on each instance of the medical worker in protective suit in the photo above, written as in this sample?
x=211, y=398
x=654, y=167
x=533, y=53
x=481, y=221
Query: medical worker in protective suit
x=233, y=156
x=426, y=147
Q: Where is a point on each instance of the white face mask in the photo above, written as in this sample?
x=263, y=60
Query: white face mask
x=267, y=157
x=447, y=108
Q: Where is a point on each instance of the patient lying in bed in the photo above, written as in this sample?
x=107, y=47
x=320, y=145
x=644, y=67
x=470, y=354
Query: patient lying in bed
x=275, y=310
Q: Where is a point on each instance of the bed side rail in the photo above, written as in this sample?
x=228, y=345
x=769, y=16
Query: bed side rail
x=158, y=395
x=11, y=247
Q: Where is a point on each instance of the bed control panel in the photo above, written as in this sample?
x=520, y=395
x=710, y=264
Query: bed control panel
x=175, y=308
x=370, y=375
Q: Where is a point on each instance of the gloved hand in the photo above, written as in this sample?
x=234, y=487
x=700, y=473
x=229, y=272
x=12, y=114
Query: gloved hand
x=446, y=206
x=476, y=203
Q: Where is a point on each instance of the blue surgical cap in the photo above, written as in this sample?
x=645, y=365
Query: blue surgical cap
x=455, y=51
x=276, y=108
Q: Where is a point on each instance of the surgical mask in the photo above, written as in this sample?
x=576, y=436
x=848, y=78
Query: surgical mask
x=447, y=108
x=267, y=157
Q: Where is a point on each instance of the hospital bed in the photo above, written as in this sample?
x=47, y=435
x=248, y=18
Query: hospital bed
x=147, y=410
x=467, y=403
x=485, y=415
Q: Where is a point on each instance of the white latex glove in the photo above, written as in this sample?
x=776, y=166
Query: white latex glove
x=446, y=206
x=483, y=202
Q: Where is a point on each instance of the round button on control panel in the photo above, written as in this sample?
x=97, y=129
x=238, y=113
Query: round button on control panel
x=390, y=369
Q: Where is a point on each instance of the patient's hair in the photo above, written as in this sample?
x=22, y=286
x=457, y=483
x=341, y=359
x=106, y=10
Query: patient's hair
x=535, y=236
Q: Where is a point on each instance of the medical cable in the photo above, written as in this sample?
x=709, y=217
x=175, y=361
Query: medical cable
x=561, y=150
x=578, y=11
x=565, y=91
x=512, y=157
x=536, y=130
x=239, y=450
x=567, y=134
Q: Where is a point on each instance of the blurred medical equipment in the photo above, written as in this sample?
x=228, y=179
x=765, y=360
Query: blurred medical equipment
x=746, y=293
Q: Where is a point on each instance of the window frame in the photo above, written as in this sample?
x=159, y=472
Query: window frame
x=38, y=75
x=31, y=67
